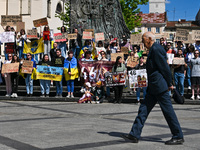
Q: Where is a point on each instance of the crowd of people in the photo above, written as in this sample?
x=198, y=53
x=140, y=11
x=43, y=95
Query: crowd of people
x=67, y=55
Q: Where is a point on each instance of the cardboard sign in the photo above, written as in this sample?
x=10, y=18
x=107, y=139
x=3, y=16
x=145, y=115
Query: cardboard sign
x=190, y=41
x=115, y=79
x=182, y=35
x=90, y=30
x=7, y=37
x=196, y=35
x=60, y=37
x=5, y=19
x=40, y=22
x=124, y=50
x=115, y=55
x=27, y=67
x=87, y=35
x=132, y=61
x=10, y=48
x=32, y=34
x=138, y=78
x=72, y=36
x=10, y=68
x=170, y=58
x=99, y=37
x=136, y=39
x=20, y=25
x=178, y=61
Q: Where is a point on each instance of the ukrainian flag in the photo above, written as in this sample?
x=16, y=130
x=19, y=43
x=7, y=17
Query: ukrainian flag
x=73, y=68
x=34, y=47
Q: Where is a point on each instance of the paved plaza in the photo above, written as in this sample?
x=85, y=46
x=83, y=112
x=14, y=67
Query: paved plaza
x=70, y=126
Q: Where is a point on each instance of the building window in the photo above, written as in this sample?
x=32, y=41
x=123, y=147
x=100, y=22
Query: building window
x=171, y=36
x=156, y=5
x=59, y=8
x=158, y=41
x=49, y=8
x=157, y=30
x=149, y=29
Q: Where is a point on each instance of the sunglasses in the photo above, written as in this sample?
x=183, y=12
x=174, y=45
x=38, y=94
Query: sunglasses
x=196, y=53
x=28, y=55
x=9, y=56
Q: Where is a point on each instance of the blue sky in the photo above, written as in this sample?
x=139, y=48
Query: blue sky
x=184, y=9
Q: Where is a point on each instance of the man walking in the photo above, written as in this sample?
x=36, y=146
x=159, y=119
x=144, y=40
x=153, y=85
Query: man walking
x=159, y=82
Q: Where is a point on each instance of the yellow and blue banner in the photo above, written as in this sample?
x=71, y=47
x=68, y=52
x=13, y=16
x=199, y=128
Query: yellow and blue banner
x=34, y=47
x=49, y=73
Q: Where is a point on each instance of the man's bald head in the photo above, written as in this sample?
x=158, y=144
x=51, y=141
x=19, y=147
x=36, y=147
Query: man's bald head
x=148, y=39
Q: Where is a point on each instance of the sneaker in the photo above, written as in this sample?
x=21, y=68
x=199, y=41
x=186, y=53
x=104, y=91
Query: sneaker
x=198, y=97
x=72, y=96
x=189, y=87
x=42, y=95
x=47, y=95
x=13, y=95
x=60, y=96
x=131, y=92
x=192, y=98
x=68, y=96
x=82, y=90
x=98, y=102
x=7, y=95
x=56, y=96
x=16, y=95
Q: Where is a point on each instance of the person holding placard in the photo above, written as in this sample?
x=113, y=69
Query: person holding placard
x=20, y=40
x=63, y=45
x=28, y=80
x=8, y=29
x=76, y=44
x=47, y=40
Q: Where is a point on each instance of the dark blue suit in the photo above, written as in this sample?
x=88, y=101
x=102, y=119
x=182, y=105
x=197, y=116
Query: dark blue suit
x=159, y=79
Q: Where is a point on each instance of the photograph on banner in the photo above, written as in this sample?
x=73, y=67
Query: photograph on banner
x=32, y=34
x=87, y=35
x=136, y=39
x=182, y=35
x=10, y=48
x=27, y=67
x=138, y=78
x=40, y=22
x=178, y=61
x=132, y=61
x=99, y=37
x=7, y=37
x=60, y=37
x=10, y=68
x=115, y=79
x=196, y=35
x=72, y=36
x=90, y=30
x=115, y=55
x=170, y=58
x=124, y=50
x=49, y=73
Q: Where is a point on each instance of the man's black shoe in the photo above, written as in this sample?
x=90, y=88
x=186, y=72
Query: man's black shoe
x=130, y=137
x=174, y=142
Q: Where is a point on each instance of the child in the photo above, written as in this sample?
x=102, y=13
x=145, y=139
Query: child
x=87, y=94
x=98, y=93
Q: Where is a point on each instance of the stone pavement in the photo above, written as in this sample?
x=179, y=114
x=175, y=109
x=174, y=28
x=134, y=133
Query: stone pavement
x=70, y=126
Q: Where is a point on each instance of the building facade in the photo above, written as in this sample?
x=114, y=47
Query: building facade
x=157, y=6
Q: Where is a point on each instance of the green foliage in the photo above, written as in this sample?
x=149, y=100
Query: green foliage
x=129, y=10
x=64, y=16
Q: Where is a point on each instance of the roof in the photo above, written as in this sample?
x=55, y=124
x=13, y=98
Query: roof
x=153, y=18
x=182, y=23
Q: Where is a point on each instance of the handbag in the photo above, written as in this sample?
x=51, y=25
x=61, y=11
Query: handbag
x=178, y=98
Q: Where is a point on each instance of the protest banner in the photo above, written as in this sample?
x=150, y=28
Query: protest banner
x=95, y=71
x=132, y=61
x=90, y=30
x=10, y=48
x=7, y=19
x=170, y=58
x=87, y=35
x=34, y=47
x=49, y=73
x=7, y=37
x=32, y=34
x=40, y=22
x=196, y=35
x=72, y=36
x=190, y=40
x=182, y=35
x=10, y=68
x=99, y=37
x=124, y=50
x=136, y=39
x=115, y=79
x=178, y=61
x=138, y=78
x=115, y=55
x=20, y=25
x=27, y=67
x=60, y=37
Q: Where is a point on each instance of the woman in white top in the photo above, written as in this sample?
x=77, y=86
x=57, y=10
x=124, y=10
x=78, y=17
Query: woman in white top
x=20, y=40
x=99, y=49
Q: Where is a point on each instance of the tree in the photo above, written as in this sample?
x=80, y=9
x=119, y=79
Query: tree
x=129, y=10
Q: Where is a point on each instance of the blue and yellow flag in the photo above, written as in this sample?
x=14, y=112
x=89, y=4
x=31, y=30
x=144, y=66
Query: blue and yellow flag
x=73, y=68
x=34, y=47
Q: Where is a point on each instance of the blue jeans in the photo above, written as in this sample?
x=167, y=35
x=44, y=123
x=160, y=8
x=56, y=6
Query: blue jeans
x=76, y=51
x=147, y=105
x=29, y=84
x=63, y=48
x=108, y=91
x=20, y=52
x=179, y=82
x=36, y=58
x=45, y=86
x=59, y=87
x=189, y=75
x=70, y=86
x=6, y=55
x=144, y=89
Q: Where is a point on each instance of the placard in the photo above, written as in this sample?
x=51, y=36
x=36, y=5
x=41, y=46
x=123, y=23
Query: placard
x=170, y=58
x=20, y=25
x=145, y=59
x=60, y=37
x=124, y=50
x=32, y=34
x=138, y=78
x=7, y=37
x=99, y=37
x=115, y=79
x=90, y=30
x=72, y=36
x=27, y=67
x=10, y=68
x=178, y=61
x=10, y=48
x=87, y=35
x=182, y=35
x=196, y=35
x=115, y=55
x=5, y=19
x=40, y=22
x=136, y=39
x=132, y=61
